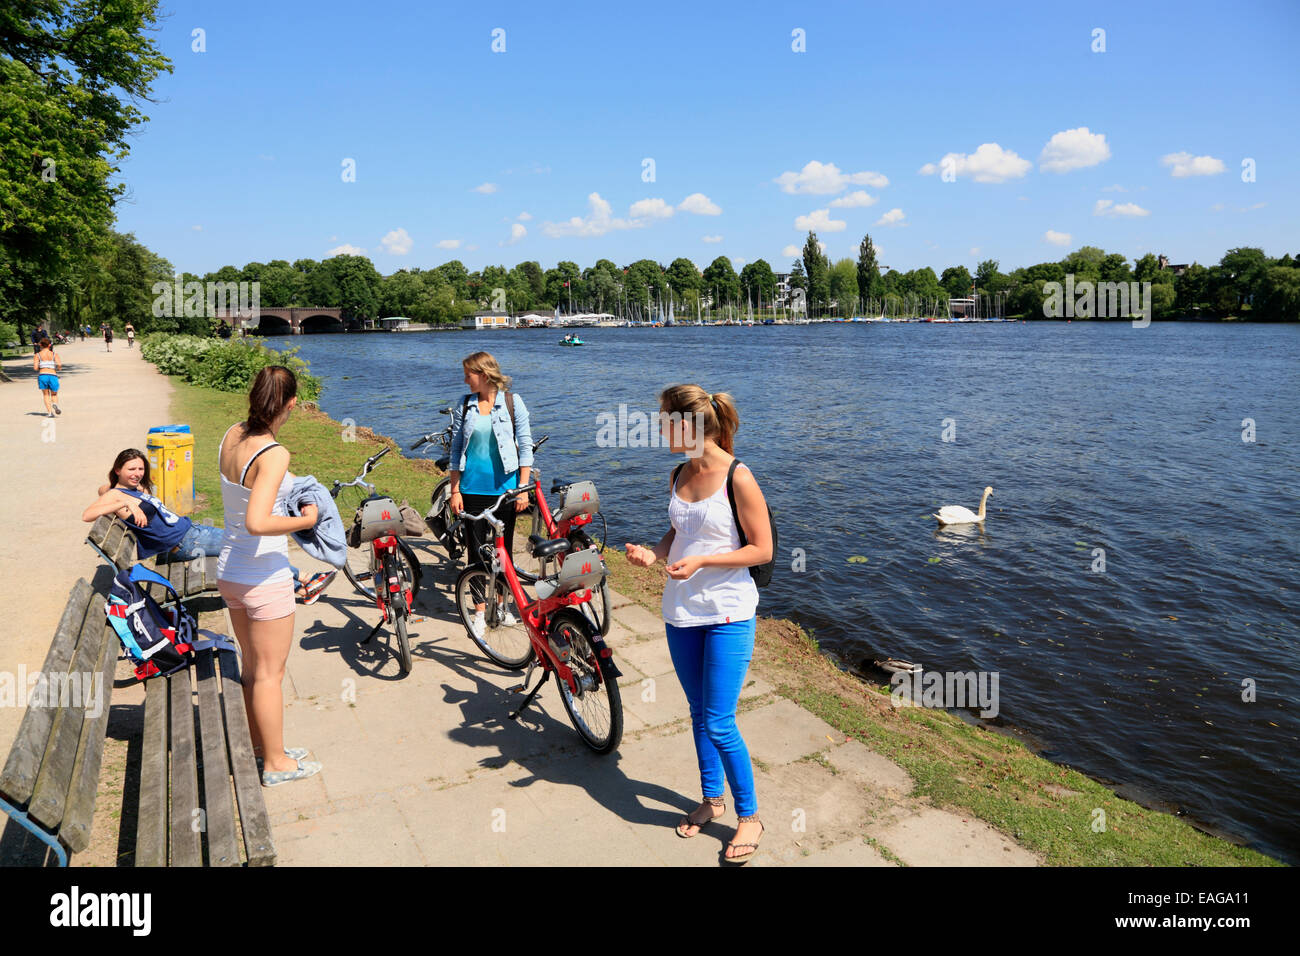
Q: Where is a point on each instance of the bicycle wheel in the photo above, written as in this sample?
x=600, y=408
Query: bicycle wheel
x=597, y=609
x=358, y=569
x=440, y=519
x=526, y=566
x=504, y=641
x=597, y=709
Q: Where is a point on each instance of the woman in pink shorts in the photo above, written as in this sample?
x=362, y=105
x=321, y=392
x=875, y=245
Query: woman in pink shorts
x=253, y=570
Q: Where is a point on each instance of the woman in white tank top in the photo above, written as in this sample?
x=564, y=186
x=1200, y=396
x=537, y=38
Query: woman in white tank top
x=253, y=572
x=710, y=599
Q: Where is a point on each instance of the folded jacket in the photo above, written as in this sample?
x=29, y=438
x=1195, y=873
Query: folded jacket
x=327, y=539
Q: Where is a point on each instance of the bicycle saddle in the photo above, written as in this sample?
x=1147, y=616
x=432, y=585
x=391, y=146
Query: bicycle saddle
x=557, y=486
x=443, y=462
x=540, y=548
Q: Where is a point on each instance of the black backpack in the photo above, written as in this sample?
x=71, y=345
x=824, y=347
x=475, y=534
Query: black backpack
x=761, y=573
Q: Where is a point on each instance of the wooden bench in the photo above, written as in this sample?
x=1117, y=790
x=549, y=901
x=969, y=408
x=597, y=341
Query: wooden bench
x=200, y=790
x=116, y=543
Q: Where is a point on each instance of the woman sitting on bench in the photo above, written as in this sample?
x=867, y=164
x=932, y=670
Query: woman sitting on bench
x=158, y=530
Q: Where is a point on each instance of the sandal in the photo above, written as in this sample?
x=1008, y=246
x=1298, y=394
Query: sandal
x=688, y=822
x=745, y=857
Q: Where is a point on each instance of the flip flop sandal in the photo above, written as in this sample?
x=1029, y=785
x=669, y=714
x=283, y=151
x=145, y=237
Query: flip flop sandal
x=688, y=822
x=745, y=858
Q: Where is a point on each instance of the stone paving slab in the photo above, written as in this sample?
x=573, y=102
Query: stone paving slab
x=783, y=732
x=848, y=853
x=936, y=837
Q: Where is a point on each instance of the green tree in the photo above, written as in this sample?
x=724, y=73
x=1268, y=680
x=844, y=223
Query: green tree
x=758, y=282
x=817, y=269
x=68, y=71
x=844, y=286
x=721, y=282
x=1277, y=297
x=988, y=279
x=683, y=277
x=868, y=270
x=956, y=281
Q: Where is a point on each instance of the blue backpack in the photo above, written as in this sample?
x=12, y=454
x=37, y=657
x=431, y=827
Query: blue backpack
x=157, y=641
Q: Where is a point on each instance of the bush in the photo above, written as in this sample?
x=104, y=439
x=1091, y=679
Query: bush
x=226, y=365
x=8, y=335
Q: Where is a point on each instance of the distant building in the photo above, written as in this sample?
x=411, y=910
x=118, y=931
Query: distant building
x=401, y=323
x=1177, y=269
x=488, y=319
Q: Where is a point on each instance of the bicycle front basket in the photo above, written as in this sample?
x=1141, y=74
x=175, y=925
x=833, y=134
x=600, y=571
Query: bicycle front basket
x=379, y=517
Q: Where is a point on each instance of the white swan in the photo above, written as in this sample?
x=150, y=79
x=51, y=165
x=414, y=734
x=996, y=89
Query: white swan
x=956, y=514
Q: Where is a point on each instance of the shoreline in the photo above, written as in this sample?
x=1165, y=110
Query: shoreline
x=993, y=772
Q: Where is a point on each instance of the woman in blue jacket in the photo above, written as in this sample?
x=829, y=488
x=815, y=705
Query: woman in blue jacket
x=491, y=453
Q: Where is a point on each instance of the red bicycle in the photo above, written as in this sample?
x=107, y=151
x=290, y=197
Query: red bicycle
x=551, y=630
x=380, y=564
x=578, y=519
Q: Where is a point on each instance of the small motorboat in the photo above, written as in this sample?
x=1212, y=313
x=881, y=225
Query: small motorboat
x=572, y=340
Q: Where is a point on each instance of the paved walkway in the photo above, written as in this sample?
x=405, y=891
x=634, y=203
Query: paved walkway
x=426, y=769
x=51, y=469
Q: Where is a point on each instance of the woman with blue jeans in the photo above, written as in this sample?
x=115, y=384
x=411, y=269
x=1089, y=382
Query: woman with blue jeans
x=158, y=530
x=710, y=599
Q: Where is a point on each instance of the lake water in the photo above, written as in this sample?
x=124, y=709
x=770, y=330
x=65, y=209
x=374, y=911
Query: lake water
x=1094, y=436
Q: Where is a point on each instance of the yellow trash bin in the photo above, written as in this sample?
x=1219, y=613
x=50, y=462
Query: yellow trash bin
x=171, y=466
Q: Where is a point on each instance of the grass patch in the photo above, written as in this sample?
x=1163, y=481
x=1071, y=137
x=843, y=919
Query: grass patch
x=316, y=447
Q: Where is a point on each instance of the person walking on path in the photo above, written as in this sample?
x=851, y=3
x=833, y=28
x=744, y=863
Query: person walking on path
x=710, y=599
x=48, y=366
x=108, y=336
x=130, y=335
x=130, y=495
x=253, y=571
x=491, y=453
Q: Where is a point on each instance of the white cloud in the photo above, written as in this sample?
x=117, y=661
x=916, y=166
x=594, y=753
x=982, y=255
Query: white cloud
x=334, y=238
x=345, y=250
x=1057, y=238
x=700, y=204
x=894, y=217
x=197, y=228
x=524, y=217
x=397, y=243
x=650, y=209
x=825, y=178
x=990, y=163
x=791, y=251
x=1185, y=164
x=517, y=232
x=819, y=220
x=448, y=243
x=1073, y=149
x=1107, y=207
x=486, y=188
x=974, y=250
x=1114, y=189
x=598, y=221
x=1217, y=207
x=738, y=262
x=854, y=200
x=711, y=238
x=1258, y=205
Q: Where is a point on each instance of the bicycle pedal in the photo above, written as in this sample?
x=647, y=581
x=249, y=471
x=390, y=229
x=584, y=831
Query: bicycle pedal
x=518, y=689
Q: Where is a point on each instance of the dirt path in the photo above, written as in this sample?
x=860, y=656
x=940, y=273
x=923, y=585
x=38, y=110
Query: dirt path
x=52, y=468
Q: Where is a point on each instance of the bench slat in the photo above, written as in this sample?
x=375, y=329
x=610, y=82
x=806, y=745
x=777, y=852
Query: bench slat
x=127, y=550
x=113, y=539
x=50, y=797
x=219, y=804
x=99, y=530
x=77, y=820
x=151, y=835
x=253, y=817
x=24, y=762
x=186, y=841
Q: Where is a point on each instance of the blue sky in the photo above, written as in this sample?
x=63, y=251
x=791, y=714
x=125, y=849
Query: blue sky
x=242, y=159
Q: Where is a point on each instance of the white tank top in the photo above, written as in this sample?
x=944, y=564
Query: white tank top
x=252, y=558
x=710, y=595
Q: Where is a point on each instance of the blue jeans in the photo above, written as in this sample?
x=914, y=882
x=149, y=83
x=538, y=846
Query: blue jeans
x=204, y=540
x=711, y=662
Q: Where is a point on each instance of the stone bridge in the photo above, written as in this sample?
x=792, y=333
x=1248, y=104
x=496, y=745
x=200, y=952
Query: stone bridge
x=297, y=320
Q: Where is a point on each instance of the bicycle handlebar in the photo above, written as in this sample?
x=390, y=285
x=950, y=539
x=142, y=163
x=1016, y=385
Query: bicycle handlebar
x=489, y=513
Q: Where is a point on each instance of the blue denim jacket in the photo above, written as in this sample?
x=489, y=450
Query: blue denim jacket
x=462, y=428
